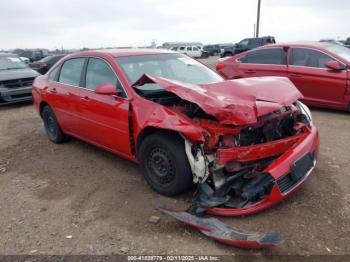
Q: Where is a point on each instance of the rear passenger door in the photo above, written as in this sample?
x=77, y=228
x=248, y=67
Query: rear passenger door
x=104, y=118
x=263, y=62
x=64, y=93
x=317, y=83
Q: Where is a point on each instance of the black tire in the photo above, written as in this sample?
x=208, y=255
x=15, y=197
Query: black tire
x=52, y=128
x=164, y=164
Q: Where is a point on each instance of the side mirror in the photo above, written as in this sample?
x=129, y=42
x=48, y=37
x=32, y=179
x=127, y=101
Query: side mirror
x=335, y=65
x=106, y=89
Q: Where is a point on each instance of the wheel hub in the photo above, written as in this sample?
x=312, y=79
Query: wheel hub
x=160, y=166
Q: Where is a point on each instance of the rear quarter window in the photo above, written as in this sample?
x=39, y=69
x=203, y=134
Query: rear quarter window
x=53, y=76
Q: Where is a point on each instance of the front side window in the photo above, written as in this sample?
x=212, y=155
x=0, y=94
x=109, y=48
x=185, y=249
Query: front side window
x=195, y=49
x=309, y=58
x=71, y=71
x=99, y=72
x=267, y=56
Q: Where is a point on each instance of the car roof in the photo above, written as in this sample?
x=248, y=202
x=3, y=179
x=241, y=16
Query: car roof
x=120, y=52
x=302, y=44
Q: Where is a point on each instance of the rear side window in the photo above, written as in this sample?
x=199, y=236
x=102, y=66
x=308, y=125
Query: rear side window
x=189, y=48
x=99, y=72
x=309, y=58
x=71, y=71
x=271, y=56
x=255, y=42
x=244, y=43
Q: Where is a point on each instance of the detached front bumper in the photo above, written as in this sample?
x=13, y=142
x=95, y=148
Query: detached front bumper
x=15, y=95
x=281, y=170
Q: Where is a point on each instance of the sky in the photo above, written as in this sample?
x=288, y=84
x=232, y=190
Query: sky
x=110, y=23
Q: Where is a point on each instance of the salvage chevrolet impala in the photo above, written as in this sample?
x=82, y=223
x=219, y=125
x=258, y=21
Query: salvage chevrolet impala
x=246, y=143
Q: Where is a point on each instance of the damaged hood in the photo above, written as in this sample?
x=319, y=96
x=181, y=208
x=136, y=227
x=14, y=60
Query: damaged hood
x=238, y=102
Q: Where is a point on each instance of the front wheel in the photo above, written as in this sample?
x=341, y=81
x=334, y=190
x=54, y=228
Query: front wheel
x=164, y=164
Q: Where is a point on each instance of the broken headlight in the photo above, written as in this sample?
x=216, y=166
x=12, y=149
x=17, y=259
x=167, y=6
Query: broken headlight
x=305, y=111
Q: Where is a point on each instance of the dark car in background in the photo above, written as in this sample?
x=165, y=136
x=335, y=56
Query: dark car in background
x=247, y=44
x=44, y=64
x=212, y=50
x=15, y=79
x=34, y=54
x=347, y=42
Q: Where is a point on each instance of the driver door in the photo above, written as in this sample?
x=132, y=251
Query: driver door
x=105, y=117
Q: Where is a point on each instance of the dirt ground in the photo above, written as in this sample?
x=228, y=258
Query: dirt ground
x=74, y=198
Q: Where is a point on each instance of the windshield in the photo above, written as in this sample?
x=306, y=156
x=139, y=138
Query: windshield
x=172, y=66
x=11, y=62
x=341, y=51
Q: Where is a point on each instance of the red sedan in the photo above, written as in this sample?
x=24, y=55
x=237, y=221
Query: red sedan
x=249, y=140
x=319, y=70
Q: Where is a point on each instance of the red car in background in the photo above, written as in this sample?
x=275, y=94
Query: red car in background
x=319, y=70
x=184, y=124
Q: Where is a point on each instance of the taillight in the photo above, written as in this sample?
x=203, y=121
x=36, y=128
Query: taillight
x=42, y=65
x=219, y=66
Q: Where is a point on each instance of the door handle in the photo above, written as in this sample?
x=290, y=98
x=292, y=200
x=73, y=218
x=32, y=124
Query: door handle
x=296, y=75
x=85, y=99
x=53, y=90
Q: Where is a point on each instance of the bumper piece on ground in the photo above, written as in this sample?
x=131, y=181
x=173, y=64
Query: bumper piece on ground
x=221, y=232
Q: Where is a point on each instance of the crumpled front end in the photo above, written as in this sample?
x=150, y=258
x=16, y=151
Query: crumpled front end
x=255, y=152
x=259, y=165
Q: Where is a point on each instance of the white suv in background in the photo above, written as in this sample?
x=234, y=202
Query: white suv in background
x=192, y=51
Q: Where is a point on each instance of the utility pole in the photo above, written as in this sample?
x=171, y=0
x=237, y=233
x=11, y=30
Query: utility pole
x=258, y=19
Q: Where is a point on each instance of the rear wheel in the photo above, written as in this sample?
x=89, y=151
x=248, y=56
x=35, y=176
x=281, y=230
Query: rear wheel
x=52, y=127
x=164, y=164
